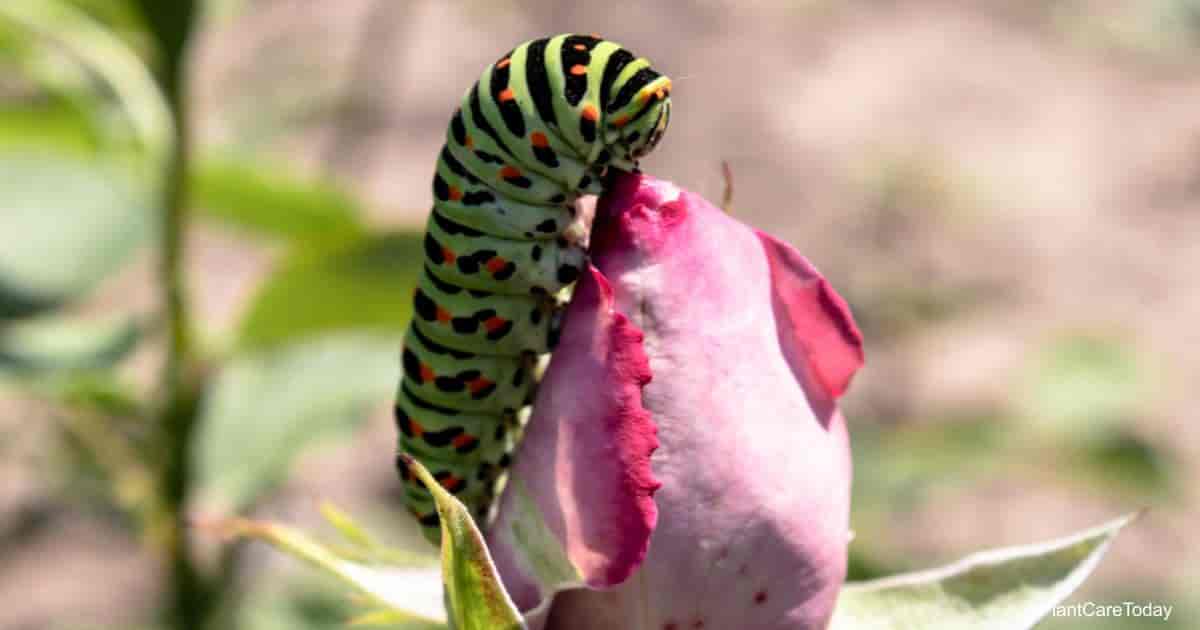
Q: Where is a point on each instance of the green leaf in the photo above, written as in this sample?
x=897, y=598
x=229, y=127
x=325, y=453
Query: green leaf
x=362, y=283
x=114, y=14
x=390, y=589
x=65, y=224
x=299, y=604
x=50, y=123
x=264, y=409
x=475, y=597
x=1001, y=589
x=362, y=546
x=58, y=344
x=345, y=525
x=262, y=199
x=111, y=60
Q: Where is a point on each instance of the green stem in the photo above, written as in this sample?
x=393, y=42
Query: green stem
x=192, y=595
x=171, y=274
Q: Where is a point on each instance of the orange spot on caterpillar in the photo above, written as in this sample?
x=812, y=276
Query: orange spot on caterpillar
x=495, y=264
x=539, y=140
x=450, y=482
x=448, y=256
x=492, y=324
x=621, y=120
x=503, y=63
x=462, y=440
x=416, y=428
x=659, y=95
x=578, y=69
x=469, y=142
x=510, y=172
x=507, y=95
x=590, y=113
x=455, y=193
x=479, y=385
x=427, y=374
x=443, y=315
x=579, y=47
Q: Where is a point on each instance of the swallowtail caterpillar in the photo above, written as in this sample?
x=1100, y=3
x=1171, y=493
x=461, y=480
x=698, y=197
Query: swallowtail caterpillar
x=543, y=125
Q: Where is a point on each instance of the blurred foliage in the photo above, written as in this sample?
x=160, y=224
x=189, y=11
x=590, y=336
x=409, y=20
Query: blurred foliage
x=48, y=122
x=306, y=604
x=356, y=283
x=1083, y=386
x=1165, y=32
x=46, y=258
x=1072, y=424
x=264, y=409
x=263, y=199
x=119, y=17
x=56, y=344
x=385, y=578
x=86, y=177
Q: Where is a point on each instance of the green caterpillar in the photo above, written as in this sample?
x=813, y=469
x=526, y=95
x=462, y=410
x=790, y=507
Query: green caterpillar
x=542, y=126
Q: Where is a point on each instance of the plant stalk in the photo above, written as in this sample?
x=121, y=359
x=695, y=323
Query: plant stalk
x=191, y=594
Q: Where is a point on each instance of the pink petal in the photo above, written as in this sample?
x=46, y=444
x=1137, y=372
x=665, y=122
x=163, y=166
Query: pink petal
x=816, y=330
x=749, y=347
x=585, y=460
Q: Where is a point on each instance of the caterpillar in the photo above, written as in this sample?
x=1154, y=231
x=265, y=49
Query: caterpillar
x=542, y=126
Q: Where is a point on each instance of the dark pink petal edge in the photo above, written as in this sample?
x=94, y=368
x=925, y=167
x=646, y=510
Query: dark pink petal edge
x=816, y=328
x=624, y=433
x=585, y=460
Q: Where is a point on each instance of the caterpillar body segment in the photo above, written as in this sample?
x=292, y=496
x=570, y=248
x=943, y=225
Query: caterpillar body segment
x=542, y=126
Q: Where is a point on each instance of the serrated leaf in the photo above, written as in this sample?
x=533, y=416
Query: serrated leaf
x=56, y=344
x=264, y=409
x=475, y=597
x=251, y=196
x=362, y=283
x=64, y=225
x=1001, y=589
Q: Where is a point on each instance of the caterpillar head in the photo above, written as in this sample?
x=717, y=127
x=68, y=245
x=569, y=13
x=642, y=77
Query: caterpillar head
x=642, y=122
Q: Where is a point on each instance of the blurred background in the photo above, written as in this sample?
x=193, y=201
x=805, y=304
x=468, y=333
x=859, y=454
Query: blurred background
x=1007, y=193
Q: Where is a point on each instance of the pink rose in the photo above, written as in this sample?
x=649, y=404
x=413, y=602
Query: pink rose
x=725, y=349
